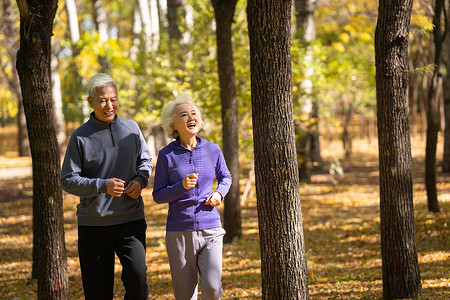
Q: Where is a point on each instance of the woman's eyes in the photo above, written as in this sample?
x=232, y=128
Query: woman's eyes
x=185, y=114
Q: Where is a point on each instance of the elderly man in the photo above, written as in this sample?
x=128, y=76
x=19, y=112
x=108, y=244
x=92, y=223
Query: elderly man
x=107, y=164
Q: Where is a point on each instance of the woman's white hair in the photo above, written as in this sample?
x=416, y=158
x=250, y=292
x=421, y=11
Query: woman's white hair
x=101, y=79
x=168, y=114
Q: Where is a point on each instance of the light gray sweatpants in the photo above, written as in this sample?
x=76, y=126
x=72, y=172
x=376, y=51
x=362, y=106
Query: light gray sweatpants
x=194, y=254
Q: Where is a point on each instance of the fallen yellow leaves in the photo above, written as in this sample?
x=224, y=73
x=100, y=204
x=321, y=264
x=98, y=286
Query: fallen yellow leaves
x=341, y=230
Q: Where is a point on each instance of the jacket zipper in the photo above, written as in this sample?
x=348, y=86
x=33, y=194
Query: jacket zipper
x=191, y=160
x=112, y=137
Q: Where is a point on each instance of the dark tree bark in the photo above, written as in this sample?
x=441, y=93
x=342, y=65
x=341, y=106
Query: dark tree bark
x=283, y=260
x=433, y=112
x=33, y=66
x=14, y=83
x=224, y=12
x=401, y=276
x=446, y=157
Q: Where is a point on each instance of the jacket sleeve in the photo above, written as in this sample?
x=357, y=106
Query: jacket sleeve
x=162, y=191
x=71, y=179
x=143, y=162
x=223, y=175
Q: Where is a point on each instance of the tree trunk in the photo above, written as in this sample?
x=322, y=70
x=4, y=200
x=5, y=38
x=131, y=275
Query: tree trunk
x=283, y=260
x=22, y=137
x=431, y=146
x=101, y=25
x=306, y=21
x=400, y=267
x=176, y=12
x=100, y=20
x=371, y=130
x=174, y=7
x=306, y=33
x=347, y=136
x=60, y=125
x=162, y=12
x=433, y=112
x=423, y=104
x=76, y=81
x=446, y=157
x=33, y=66
x=4, y=115
x=72, y=20
x=224, y=12
x=414, y=91
x=14, y=82
x=441, y=108
x=303, y=148
x=154, y=17
x=423, y=95
x=144, y=11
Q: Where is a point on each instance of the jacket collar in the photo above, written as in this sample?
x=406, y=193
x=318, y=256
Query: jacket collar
x=97, y=122
x=177, y=145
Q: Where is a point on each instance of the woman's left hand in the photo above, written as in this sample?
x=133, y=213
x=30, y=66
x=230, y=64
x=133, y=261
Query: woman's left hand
x=215, y=199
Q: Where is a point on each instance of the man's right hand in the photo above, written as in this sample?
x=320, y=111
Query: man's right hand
x=115, y=187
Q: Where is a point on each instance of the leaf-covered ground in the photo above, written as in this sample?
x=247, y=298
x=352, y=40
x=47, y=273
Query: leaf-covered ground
x=341, y=228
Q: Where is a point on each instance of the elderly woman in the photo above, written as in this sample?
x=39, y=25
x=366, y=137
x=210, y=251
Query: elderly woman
x=184, y=176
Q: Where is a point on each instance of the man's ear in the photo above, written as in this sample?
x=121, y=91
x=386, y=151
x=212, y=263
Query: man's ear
x=90, y=101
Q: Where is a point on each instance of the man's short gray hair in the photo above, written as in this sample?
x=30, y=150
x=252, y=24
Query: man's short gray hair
x=101, y=79
x=168, y=114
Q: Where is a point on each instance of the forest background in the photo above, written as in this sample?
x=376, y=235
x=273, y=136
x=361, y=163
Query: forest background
x=150, y=71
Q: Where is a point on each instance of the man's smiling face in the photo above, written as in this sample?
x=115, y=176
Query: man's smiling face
x=105, y=103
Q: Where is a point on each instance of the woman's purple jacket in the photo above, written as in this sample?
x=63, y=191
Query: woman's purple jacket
x=187, y=208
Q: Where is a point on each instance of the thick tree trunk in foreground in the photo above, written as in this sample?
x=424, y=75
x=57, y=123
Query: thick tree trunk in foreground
x=401, y=276
x=224, y=12
x=33, y=66
x=283, y=261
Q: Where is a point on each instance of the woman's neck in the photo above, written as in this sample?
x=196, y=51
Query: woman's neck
x=189, y=142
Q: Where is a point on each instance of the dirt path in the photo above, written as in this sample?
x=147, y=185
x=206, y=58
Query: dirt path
x=15, y=168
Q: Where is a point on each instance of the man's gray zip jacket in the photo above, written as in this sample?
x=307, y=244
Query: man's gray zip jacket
x=97, y=151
